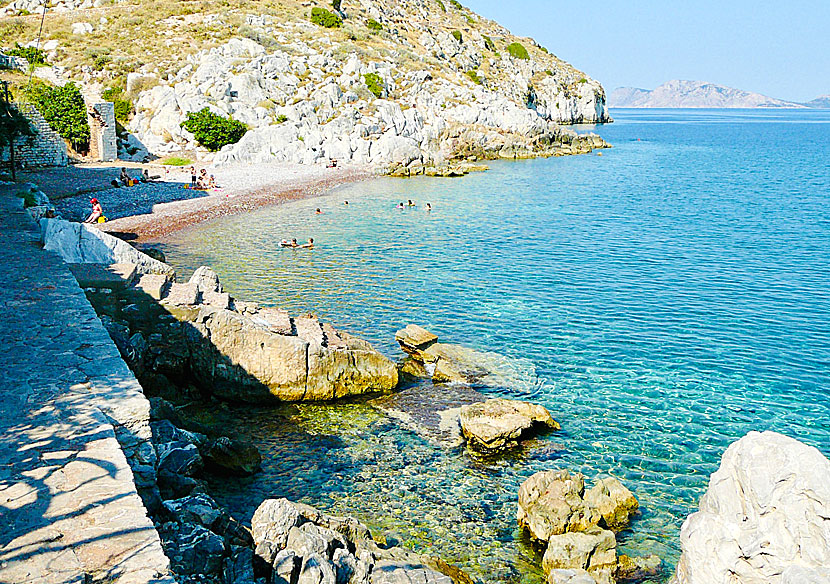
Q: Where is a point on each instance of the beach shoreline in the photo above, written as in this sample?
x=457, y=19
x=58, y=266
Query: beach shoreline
x=148, y=212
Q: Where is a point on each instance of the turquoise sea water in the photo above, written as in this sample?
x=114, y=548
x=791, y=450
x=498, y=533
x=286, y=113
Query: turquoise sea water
x=670, y=295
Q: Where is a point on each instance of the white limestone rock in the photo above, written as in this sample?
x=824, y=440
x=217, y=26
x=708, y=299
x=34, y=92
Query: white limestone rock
x=765, y=518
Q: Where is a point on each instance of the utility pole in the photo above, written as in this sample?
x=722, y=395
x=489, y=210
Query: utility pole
x=8, y=107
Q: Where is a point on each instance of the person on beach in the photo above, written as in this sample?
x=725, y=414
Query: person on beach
x=124, y=177
x=193, y=177
x=309, y=245
x=97, y=212
x=212, y=182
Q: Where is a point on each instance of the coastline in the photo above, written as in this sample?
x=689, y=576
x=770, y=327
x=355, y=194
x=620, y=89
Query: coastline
x=149, y=212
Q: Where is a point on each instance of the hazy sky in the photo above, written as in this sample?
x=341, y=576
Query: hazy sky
x=778, y=48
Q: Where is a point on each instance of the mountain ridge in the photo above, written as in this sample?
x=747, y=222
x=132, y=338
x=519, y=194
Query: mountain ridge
x=698, y=94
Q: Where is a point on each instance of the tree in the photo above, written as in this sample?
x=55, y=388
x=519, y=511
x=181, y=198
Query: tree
x=64, y=109
x=12, y=124
x=212, y=130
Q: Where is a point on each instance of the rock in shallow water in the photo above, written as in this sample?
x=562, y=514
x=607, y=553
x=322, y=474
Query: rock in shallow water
x=765, y=518
x=498, y=423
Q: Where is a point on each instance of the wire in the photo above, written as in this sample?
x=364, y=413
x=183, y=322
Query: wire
x=37, y=43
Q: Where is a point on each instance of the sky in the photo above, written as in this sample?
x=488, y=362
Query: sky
x=777, y=48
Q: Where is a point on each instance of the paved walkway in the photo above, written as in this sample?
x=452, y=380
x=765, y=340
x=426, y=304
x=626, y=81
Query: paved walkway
x=69, y=509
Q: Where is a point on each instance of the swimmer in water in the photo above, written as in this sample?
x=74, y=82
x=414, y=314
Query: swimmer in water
x=400, y=205
x=318, y=211
x=310, y=244
x=409, y=203
x=345, y=202
x=429, y=207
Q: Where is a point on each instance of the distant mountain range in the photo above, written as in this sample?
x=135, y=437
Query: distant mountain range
x=697, y=94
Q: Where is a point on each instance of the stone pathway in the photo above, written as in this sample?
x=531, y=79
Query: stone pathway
x=73, y=421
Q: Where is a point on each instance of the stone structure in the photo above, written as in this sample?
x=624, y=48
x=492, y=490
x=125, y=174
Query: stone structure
x=45, y=148
x=102, y=137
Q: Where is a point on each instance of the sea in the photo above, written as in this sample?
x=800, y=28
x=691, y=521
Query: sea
x=661, y=298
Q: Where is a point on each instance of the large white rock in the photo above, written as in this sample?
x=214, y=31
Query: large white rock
x=765, y=518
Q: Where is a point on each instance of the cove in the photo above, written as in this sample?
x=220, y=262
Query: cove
x=661, y=300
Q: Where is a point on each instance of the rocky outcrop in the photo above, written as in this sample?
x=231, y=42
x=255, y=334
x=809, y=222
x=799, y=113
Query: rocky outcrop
x=238, y=351
x=497, y=424
x=576, y=526
x=300, y=544
x=765, y=518
x=450, y=363
x=694, y=94
x=78, y=243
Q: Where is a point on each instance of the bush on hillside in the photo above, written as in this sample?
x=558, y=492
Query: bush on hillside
x=65, y=111
x=517, y=50
x=488, y=43
x=281, y=119
x=457, y=4
x=472, y=74
x=123, y=106
x=456, y=34
x=375, y=83
x=34, y=55
x=325, y=18
x=212, y=130
x=441, y=5
x=374, y=25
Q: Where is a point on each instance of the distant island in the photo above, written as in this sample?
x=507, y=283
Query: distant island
x=698, y=94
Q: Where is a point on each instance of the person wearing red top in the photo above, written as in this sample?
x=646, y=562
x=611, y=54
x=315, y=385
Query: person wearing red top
x=97, y=212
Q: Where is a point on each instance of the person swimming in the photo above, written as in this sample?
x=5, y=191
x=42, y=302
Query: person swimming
x=400, y=205
x=409, y=203
x=429, y=207
x=345, y=202
x=286, y=243
x=318, y=211
x=309, y=245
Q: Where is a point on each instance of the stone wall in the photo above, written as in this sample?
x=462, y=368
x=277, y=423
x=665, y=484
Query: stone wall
x=102, y=137
x=45, y=148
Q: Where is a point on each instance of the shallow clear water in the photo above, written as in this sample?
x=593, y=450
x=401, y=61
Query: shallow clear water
x=672, y=295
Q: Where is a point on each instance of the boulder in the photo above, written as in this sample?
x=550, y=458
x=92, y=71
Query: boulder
x=201, y=509
x=637, y=569
x=270, y=525
x=570, y=576
x=551, y=503
x=615, y=503
x=239, y=567
x=592, y=550
x=765, y=518
x=206, y=280
x=230, y=456
x=498, y=423
x=414, y=339
x=193, y=549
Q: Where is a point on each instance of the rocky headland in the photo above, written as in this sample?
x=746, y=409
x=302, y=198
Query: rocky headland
x=406, y=87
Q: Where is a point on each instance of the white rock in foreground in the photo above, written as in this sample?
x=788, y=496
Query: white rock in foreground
x=765, y=518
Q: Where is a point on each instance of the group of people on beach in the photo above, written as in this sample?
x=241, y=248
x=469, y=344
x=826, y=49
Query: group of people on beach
x=201, y=181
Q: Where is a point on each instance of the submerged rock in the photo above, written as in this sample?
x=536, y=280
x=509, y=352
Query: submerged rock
x=765, y=518
x=594, y=551
x=300, y=544
x=497, y=424
x=230, y=456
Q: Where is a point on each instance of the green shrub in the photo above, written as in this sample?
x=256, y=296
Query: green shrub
x=544, y=50
x=374, y=83
x=470, y=20
x=212, y=130
x=12, y=124
x=441, y=5
x=457, y=36
x=374, y=25
x=583, y=80
x=34, y=55
x=281, y=118
x=549, y=72
x=517, y=50
x=65, y=111
x=123, y=107
x=489, y=44
x=456, y=3
x=176, y=161
x=29, y=199
x=474, y=76
x=325, y=18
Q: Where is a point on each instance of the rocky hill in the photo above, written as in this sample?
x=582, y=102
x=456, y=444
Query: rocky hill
x=822, y=102
x=393, y=83
x=693, y=94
